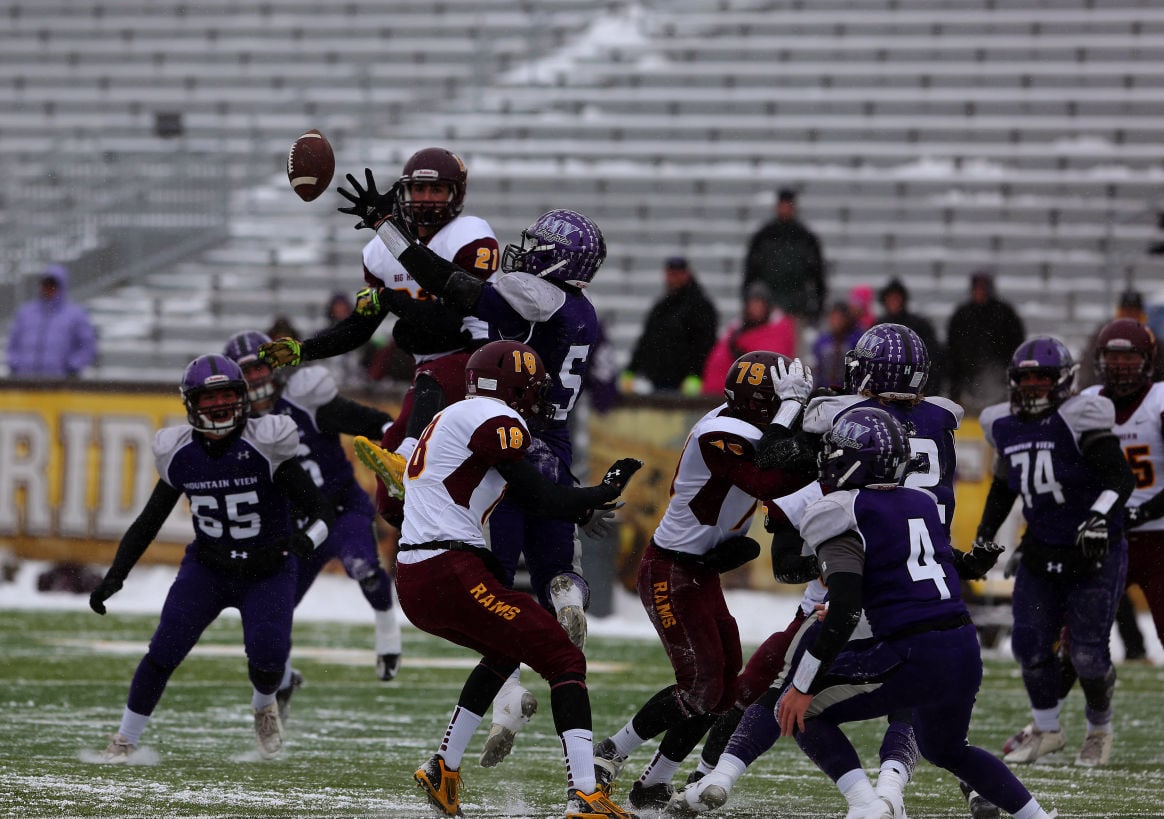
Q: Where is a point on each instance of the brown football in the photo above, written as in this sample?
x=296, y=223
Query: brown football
x=310, y=165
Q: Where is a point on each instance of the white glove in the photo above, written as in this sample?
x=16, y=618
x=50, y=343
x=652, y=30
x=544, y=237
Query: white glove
x=792, y=381
x=601, y=522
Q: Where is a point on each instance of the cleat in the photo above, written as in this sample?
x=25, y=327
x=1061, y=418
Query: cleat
x=283, y=695
x=567, y=600
x=891, y=807
x=980, y=806
x=869, y=810
x=387, y=666
x=654, y=797
x=269, y=731
x=1096, y=749
x=441, y=785
x=119, y=751
x=500, y=740
x=694, y=776
x=1018, y=738
x=607, y=763
x=388, y=466
x=1036, y=746
x=706, y=793
x=595, y=805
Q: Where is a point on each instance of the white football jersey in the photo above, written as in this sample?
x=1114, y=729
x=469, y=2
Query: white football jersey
x=705, y=509
x=445, y=243
x=1143, y=445
x=450, y=485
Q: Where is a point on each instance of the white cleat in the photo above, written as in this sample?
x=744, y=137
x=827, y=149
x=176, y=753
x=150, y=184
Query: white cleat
x=1036, y=746
x=119, y=751
x=709, y=793
x=567, y=600
x=892, y=806
x=501, y=734
x=1096, y=749
x=269, y=731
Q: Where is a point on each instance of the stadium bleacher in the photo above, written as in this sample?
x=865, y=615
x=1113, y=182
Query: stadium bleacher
x=928, y=140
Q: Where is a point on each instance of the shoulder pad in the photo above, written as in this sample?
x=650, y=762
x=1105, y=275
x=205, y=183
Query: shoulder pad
x=1084, y=413
x=275, y=436
x=953, y=407
x=988, y=417
x=819, y=415
x=794, y=505
x=1093, y=389
x=532, y=298
x=310, y=387
x=167, y=442
x=828, y=517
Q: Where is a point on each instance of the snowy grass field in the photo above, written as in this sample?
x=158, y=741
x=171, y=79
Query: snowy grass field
x=353, y=742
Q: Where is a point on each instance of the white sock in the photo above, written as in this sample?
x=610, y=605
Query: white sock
x=387, y=631
x=1031, y=810
x=728, y=770
x=856, y=788
x=259, y=700
x=626, y=741
x=890, y=781
x=132, y=725
x=661, y=769
x=461, y=727
x=1092, y=728
x=1046, y=719
x=406, y=448
x=578, y=749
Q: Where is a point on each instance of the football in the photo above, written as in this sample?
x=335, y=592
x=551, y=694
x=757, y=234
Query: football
x=310, y=165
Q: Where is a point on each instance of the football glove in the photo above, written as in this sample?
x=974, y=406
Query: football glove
x=108, y=587
x=780, y=448
x=1091, y=537
x=620, y=472
x=300, y=545
x=792, y=381
x=599, y=522
x=981, y=557
x=731, y=554
x=368, y=205
x=368, y=302
x=283, y=352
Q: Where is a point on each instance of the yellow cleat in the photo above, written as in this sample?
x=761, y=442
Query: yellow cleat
x=441, y=785
x=595, y=805
x=388, y=466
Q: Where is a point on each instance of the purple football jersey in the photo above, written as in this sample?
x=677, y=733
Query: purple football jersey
x=320, y=453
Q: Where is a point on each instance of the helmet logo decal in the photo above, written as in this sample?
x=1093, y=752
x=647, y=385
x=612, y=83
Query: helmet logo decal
x=848, y=433
x=558, y=231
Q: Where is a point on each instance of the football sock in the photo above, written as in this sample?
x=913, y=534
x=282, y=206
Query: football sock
x=461, y=727
x=578, y=748
x=132, y=725
x=661, y=769
x=856, y=788
x=260, y=700
x=1046, y=719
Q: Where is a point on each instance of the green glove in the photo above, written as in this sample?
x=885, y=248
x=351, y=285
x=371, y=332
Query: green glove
x=284, y=352
x=368, y=302
x=692, y=385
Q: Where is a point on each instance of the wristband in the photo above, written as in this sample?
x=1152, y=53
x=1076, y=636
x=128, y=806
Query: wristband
x=805, y=673
x=786, y=415
x=317, y=532
x=393, y=239
x=1103, y=504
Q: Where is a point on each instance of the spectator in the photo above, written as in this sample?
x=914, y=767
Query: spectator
x=894, y=298
x=677, y=337
x=348, y=368
x=981, y=335
x=861, y=305
x=51, y=337
x=787, y=255
x=282, y=327
x=763, y=326
x=838, y=336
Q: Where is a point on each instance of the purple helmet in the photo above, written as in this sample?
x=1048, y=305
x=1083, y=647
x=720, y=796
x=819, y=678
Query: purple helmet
x=243, y=349
x=889, y=361
x=208, y=374
x=560, y=244
x=865, y=447
x=1045, y=356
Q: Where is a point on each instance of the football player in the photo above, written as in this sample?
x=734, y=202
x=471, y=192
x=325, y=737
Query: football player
x=428, y=198
x=539, y=300
x=703, y=533
x=241, y=477
x=883, y=549
x=1058, y=453
x=450, y=583
x=309, y=396
x=888, y=369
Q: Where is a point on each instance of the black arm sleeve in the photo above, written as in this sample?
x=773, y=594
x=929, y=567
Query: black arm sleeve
x=304, y=494
x=421, y=337
x=789, y=564
x=843, y=615
x=143, y=530
x=459, y=289
x=349, y=417
x=999, y=501
x=428, y=398
x=536, y=493
x=347, y=335
x=1105, y=456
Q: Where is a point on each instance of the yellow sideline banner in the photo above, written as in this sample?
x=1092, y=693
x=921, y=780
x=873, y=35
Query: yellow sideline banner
x=77, y=466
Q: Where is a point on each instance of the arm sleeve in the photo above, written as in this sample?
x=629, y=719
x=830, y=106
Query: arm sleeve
x=347, y=335
x=536, y=493
x=999, y=501
x=789, y=563
x=1105, y=456
x=349, y=417
x=304, y=494
x=459, y=289
x=143, y=530
x=428, y=398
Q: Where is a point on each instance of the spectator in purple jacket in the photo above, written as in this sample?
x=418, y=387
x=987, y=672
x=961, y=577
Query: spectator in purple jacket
x=51, y=337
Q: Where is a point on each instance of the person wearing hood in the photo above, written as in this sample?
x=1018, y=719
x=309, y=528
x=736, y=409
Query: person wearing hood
x=51, y=336
x=981, y=335
x=894, y=298
x=762, y=326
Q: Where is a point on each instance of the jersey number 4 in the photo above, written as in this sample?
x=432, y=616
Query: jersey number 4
x=923, y=559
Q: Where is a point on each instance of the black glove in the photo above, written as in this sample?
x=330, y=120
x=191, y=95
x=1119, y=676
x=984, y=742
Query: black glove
x=780, y=448
x=598, y=522
x=620, y=472
x=1134, y=516
x=980, y=559
x=731, y=554
x=108, y=587
x=368, y=204
x=1091, y=537
x=300, y=545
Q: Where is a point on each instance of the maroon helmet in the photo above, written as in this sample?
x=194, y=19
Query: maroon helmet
x=749, y=388
x=511, y=372
x=431, y=165
x=1125, y=356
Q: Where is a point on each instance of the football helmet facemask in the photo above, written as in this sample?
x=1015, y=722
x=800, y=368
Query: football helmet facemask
x=889, y=361
x=1048, y=357
x=866, y=447
x=512, y=373
x=262, y=384
x=431, y=165
x=560, y=244
x=1130, y=369
x=209, y=374
x=749, y=389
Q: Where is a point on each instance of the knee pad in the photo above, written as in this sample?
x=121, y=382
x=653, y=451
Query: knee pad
x=265, y=682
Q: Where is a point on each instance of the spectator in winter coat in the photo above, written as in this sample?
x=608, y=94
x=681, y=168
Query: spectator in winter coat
x=678, y=334
x=894, y=298
x=51, y=337
x=982, y=335
x=787, y=255
x=838, y=335
x=763, y=326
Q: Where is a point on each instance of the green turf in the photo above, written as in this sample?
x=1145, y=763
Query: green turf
x=353, y=742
